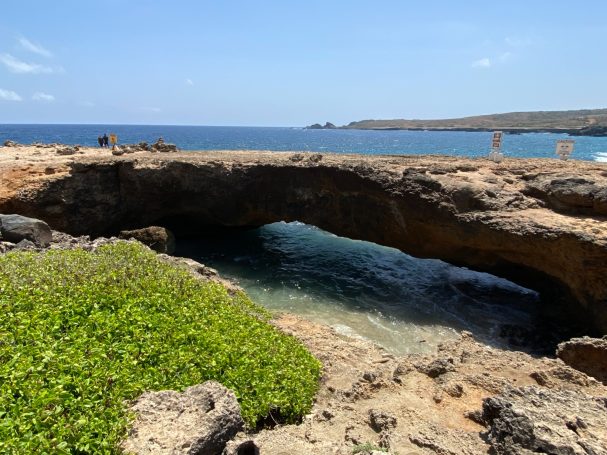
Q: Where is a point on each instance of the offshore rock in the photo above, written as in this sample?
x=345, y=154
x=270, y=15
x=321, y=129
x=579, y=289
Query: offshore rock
x=541, y=223
x=532, y=420
x=586, y=354
x=17, y=228
x=199, y=421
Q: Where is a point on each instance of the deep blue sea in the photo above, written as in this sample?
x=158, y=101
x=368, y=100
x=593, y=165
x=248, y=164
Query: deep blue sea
x=361, y=289
x=539, y=145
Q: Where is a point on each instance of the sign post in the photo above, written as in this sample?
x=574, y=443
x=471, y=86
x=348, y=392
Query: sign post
x=496, y=154
x=564, y=148
x=113, y=140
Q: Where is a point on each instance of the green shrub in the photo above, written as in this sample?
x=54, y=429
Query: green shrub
x=81, y=333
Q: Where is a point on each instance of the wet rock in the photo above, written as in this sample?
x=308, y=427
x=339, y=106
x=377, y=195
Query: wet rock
x=158, y=238
x=14, y=228
x=586, y=354
x=10, y=144
x=201, y=420
x=534, y=420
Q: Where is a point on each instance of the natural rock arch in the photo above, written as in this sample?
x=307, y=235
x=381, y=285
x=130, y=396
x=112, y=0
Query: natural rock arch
x=527, y=220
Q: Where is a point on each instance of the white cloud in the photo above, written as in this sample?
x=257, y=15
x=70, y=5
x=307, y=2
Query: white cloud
x=41, y=96
x=482, y=63
x=189, y=82
x=34, y=47
x=18, y=66
x=9, y=95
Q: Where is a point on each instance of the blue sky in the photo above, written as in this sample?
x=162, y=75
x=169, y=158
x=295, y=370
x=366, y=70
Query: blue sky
x=280, y=63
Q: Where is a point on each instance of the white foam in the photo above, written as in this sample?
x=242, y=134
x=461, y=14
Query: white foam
x=601, y=157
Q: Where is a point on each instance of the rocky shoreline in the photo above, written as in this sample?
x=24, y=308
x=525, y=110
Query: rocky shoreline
x=466, y=398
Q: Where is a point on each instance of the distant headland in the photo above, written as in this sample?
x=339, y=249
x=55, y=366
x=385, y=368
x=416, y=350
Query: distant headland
x=584, y=122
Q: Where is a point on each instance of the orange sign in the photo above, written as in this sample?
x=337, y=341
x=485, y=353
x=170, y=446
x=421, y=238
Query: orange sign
x=113, y=139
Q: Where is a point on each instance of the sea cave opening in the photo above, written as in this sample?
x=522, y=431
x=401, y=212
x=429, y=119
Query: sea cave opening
x=362, y=289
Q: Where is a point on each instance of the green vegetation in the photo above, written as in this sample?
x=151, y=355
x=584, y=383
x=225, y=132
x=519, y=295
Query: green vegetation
x=82, y=332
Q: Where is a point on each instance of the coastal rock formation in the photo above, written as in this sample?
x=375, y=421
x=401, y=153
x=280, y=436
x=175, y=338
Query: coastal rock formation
x=199, y=421
x=559, y=422
x=17, y=228
x=586, y=354
x=158, y=238
x=540, y=223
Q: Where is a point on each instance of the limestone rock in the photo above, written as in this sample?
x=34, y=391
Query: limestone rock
x=158, y=238
x=534, y=420
x=15, y=228
x=199, y=421
x=586, y=354
x=437, y=367
x=9, y=143
x=67, y=150
x=161, y=146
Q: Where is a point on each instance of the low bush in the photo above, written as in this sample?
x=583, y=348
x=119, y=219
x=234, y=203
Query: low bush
x=82, y=333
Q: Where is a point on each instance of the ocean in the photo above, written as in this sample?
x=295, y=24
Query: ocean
x=457, y=143
x=402, y=303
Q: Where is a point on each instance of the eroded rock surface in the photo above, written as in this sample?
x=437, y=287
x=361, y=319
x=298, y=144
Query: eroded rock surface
x=540, y=223
x=558, y=422
x=199, y=421
x=586, y=354
x=158, y=238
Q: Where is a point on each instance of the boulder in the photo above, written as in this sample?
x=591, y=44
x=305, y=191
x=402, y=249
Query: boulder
x=201, y=420
x=15, y=228
x=10, y=144
x=161, y=146
x=586, y=354
x=530, y=420
x=158, y=238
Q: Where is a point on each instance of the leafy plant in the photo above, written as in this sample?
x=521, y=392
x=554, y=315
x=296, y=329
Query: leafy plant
x=82, y=333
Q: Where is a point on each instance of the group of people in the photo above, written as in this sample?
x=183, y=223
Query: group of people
x=104, y=141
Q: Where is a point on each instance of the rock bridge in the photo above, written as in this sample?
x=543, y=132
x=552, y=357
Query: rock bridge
x=540, y=223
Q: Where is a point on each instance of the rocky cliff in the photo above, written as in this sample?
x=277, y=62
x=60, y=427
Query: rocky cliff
x=540, y=223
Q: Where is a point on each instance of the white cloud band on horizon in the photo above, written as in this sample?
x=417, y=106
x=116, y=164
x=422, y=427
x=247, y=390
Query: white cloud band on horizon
x=20, y=67
x=41, y=96
x=482, y=63
x=34, y=47
x=9, y=95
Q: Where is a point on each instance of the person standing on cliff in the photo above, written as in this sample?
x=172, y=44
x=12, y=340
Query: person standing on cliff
x=100, y=141
x=106, y=141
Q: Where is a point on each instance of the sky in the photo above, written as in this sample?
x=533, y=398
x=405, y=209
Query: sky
x=284, y=63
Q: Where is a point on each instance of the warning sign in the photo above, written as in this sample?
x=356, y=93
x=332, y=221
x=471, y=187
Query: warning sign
x=113, y=139
x=564, y=148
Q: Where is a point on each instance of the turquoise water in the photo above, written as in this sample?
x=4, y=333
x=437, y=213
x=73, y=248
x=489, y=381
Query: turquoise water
x=539, y=145
x=366, y=290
